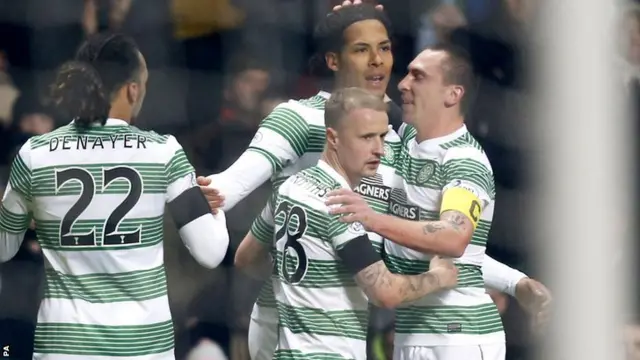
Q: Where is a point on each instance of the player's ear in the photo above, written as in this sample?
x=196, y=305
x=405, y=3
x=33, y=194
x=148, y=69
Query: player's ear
x=332, y=138
x=332, y=61
x=454, y=95
x=133, y=92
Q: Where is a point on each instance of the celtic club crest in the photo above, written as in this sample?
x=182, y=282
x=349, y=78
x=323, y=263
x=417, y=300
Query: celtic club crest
x=425, y=173
x=389, y=154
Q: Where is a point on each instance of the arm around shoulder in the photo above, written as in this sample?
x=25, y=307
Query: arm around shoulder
x=391, y=290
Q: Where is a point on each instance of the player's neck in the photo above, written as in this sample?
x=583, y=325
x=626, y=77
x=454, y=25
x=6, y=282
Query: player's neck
x=122, y=114
x=332, y=160
x=438, y=126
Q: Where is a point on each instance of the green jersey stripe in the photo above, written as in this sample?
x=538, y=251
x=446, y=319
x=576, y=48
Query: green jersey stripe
x=266, y=297
x=101, y=340
x=299, y=355
x=474, y=320
x=470, y=170
x=20, y=177
x=290, y=125
x=107, y=288
x=13, y=223
x=153, y=176
x=343, y=323
x=151, y=233
x=321, y=273
x=276, y=165
x=178, y=167
x=262, y=231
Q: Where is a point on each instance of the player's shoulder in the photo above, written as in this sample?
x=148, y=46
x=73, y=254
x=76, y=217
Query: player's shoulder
x=298, y=110
x=465, y=148
x=44, y=139
x=315, y=102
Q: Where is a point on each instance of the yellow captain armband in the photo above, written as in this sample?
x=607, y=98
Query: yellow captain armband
x=464, y=201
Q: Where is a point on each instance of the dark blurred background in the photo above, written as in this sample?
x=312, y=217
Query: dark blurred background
x=217, y=67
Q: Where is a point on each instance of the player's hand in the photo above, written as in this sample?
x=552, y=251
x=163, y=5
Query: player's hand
x=353, y=208
x=632, y=341
x=354, y=2
x=536, y=300
x=213, y=196
x=445, y=270
x=447, y=17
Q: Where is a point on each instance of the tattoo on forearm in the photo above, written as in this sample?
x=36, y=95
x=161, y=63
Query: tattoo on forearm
x=418, y=286
x=432, y=228
x=450, y=219
x=457, y=221
x=408, y=288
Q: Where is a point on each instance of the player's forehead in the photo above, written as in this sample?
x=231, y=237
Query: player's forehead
x=366, y=120
x=428, y=62
x=369, y=31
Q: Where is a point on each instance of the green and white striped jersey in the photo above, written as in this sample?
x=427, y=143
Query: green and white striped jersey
x=286, y=140
x=98, y=199
x=323, y=314
x=464, y=315
x=292, y=138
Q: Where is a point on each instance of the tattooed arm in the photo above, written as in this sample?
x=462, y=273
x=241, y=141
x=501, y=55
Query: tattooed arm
x=391, y=290
x=448, y=236
x=384, y=288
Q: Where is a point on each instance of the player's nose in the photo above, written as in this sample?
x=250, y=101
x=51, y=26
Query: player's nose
x=376, y=59
x=378, y=148
x=403, y=85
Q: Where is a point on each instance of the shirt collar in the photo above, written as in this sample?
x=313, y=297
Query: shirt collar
x=112, y=122
x=334, y=174
x=443, y=139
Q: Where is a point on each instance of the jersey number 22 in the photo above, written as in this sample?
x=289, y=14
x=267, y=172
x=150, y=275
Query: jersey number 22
x=111, y=236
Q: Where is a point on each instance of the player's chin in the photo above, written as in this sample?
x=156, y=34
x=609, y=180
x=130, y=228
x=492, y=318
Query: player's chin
x=370, y=168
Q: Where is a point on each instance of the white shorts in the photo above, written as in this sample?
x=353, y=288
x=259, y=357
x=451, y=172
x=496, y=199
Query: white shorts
x=457, y=352
x=263, y=340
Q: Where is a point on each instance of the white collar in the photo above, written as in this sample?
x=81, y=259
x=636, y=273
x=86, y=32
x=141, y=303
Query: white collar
x=112, y=122
x=442, y=139
x=334, y=174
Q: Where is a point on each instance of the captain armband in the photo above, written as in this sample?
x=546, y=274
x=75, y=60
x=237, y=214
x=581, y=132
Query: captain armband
x=464, y=201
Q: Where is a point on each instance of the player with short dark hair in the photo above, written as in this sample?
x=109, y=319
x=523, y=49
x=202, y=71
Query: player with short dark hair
x=291, y=139
x=445, y=176
x=97, y=189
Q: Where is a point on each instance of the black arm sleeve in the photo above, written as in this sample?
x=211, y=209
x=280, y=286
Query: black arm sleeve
x=188, y=206
x=358, y=253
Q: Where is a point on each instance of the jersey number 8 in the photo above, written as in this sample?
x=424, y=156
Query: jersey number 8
x=292, y=242
x=111, y=236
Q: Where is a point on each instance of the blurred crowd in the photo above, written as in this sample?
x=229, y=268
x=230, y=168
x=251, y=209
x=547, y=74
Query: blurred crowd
x=217, y=67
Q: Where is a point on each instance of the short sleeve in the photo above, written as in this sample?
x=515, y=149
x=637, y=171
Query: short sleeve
x=469, y=168
x=180, y=174
x=15, y=212
x=468, y=182
x=20, y=175
x=282, y=137
x=263, y=226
